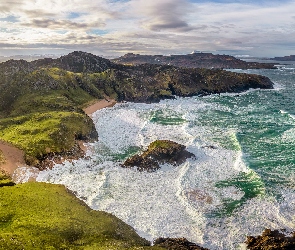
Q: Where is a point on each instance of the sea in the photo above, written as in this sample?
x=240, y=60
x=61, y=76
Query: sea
x=241, y=181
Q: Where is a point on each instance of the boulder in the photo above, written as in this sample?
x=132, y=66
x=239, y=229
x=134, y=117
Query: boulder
x=159, y=152
x=271, y=240
x=177, y=244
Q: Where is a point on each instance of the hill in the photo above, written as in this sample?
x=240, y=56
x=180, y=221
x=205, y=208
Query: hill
x=284, y=58
x=194, y=60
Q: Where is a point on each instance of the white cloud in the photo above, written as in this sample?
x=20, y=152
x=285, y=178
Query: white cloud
x=154, y=26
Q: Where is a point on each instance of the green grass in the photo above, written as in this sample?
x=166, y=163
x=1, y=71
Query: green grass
x=41, y=133
x=163, y=144
x=47, y=216
x=5, y=179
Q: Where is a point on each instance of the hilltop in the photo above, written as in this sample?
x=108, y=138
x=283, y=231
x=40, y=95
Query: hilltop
x=193, y=60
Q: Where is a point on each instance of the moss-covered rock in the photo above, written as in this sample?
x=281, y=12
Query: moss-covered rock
x=271, y=240
x=46, y=216
x=159, y=152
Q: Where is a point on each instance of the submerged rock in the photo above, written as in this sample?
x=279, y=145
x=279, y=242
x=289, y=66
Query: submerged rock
x=177, y=244
x=271, y=240
x=159, y=152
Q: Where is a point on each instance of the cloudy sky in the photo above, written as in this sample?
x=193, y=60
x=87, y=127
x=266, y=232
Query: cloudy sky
x=116, y=27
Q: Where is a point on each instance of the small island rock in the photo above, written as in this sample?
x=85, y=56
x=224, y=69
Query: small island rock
x=159, y=152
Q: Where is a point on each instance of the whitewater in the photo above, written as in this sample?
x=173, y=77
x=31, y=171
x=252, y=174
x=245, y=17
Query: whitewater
x=241, y=181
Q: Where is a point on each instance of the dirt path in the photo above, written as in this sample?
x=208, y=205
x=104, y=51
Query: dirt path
x=14, y=157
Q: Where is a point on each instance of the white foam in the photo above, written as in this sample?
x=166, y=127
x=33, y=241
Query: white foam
x=174, y=201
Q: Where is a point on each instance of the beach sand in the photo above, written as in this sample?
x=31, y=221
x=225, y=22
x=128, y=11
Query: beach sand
x=100, y=104
x=15, y=164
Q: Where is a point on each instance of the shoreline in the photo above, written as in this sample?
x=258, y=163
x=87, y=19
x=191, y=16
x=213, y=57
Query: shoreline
x=99, y=104
x=15, y=164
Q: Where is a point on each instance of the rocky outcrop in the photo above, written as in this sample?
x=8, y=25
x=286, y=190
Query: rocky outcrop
x=194, y=60
x=77, y=61
x=177, y=244
x=271, y=240
x=159, y=152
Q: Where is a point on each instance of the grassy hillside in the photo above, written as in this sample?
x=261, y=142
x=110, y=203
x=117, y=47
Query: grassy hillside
x=46, y=216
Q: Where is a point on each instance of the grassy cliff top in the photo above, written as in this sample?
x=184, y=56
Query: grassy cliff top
x=47, y=216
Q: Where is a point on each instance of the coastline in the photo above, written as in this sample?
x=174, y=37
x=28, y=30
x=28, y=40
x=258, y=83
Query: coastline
x=15, y=165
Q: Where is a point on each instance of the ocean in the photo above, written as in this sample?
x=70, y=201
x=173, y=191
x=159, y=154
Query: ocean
x=241, y=181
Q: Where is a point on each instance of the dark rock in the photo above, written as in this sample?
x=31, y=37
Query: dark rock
x=159, y=152
x=48, y=161
x=271, y=240
x=177, y=244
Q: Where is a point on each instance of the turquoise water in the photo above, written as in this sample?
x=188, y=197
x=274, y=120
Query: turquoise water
x=241, y=182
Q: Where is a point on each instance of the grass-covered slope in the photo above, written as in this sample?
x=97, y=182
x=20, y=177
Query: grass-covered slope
x=46, y=216
x=41, y=133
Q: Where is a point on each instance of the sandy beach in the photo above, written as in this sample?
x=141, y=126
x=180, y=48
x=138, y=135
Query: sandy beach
x=99, y=104
x=14, y=157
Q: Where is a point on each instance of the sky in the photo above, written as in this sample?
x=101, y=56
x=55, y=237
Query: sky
x=113, y=28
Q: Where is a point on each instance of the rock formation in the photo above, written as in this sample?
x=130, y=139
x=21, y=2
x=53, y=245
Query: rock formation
x=177, y=244
x=271, y=240
x=158, y=152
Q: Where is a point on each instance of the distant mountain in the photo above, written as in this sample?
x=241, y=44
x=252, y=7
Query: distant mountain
x=284, y=58
x=193, y=60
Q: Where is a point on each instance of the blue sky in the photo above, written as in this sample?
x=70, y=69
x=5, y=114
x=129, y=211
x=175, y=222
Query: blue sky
x=113, y=27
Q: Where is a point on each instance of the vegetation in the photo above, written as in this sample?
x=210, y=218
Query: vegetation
x=41, y=133
x=46, y=216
